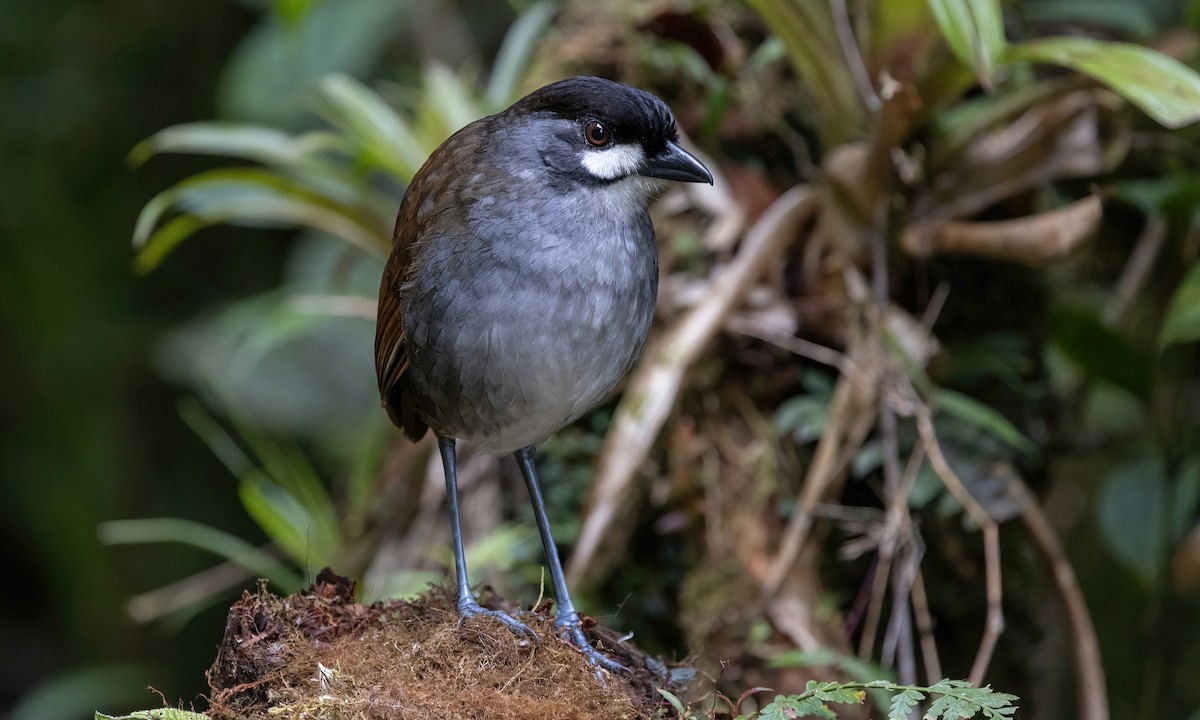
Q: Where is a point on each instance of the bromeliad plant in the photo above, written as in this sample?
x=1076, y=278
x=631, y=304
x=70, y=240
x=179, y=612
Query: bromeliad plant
x=343, y=180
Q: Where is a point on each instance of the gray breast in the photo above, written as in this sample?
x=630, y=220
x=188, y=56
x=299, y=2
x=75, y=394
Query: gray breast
x=531, y=317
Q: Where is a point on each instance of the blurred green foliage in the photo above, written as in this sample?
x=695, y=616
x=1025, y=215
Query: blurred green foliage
x=80, y=444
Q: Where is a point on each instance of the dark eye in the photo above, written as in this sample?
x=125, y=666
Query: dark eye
x=596, y=134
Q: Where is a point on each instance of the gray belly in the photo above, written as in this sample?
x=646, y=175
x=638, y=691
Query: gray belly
x=527, y=343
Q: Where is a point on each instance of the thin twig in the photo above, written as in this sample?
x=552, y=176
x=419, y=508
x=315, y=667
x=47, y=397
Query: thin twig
x=1137, y=267
x=934, y=308
x=1093, y=692
x=804, y=348
x=991, y=543
x=883, y=570
x=902, y=541
x=854, y=59
x=897, y=522
x=899, y=639
x=887, y=416
x=353, y=306
x=192, y=590
x=911, y=470
x=929, y=652
x=851, y=415
x=897, y=527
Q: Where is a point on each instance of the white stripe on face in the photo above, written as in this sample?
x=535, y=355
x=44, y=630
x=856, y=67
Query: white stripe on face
x=613, y=162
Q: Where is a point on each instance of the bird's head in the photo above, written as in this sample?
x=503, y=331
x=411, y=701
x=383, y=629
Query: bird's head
x=601, y=132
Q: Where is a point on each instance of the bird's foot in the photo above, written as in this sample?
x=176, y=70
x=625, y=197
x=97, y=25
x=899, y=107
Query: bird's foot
x=469, y=608
x=569, y=630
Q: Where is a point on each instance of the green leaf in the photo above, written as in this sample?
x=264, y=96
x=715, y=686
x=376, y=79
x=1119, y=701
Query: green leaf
x=1164, y=88
x=976, y=414
x=775, y=710
x=258, y=198
x=1151, y=195
x=959, y=699
x=1109, y=410
x=849, y=664
x=868, y=459
x=1128, y=17
x=289, y=500
x=812, y=707
x=252, y=142
x=1002, y=356
x=209, y=539
x=316, y=159
x=75, y=693
x=802, y=417
x=269, y=76
x=366, y=464
x=284, y=519
x=836, y=693
x=1132, y=509
x=903, y=703
x=951, y=707
x=808, y=32
x=504, y=84
x=674, y=701
x=168, y=237
x=974, y=30
x=448, y=98
x=500, y=549
x=899, y=30
x=946, y=685
x=292, y=11
x=372, y=125
x=251, y=197
x=257, y=326
x=156, y=714
x=787, y=707
x=926, y=488
x=1175, y=196
x=292, y=471
x=1182, y=322
x=1093, y=346
x=210, y=432
x=959, y=126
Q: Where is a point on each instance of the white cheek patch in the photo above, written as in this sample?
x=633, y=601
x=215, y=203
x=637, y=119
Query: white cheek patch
x=613, y=162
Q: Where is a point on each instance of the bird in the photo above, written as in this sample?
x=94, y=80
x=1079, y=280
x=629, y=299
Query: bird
x=521, y=286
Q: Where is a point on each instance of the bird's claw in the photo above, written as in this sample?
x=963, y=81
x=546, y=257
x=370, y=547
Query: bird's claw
x=469, y=608
x=568, y=628
x=570, y=631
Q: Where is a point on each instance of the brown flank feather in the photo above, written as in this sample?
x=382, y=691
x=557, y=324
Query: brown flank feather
x=391, y=357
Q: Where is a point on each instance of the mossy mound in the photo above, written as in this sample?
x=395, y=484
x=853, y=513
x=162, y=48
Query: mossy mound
x=319, y=654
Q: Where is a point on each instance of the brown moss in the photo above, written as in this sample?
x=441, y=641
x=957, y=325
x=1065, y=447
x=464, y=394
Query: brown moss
x=319, y=654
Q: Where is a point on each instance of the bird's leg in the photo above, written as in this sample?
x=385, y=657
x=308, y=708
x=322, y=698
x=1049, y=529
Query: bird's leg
x=468, y=606
x=566, y=618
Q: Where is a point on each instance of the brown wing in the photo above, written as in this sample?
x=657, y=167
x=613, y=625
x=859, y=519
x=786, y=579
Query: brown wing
x=439, y=176
x=391, y=360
